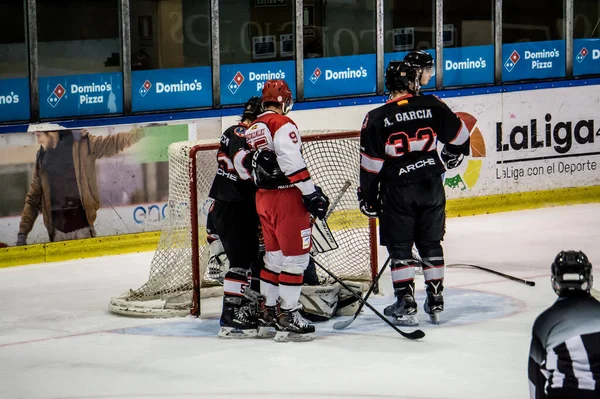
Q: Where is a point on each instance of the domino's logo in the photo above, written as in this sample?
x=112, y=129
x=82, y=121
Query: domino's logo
x=145, y=88
x=315, y=75
x=582, y=54
x=56, y=96
x=236, y=82
x=512, y=61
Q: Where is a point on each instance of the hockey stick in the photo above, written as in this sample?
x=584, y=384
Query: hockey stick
x=416, y=334
x=508, y=276
x=340, y=325
x=337, y=199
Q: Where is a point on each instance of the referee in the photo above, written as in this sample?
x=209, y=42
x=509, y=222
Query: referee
x=564, y=359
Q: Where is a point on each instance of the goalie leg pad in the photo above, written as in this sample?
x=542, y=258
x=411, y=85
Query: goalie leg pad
x=347, y=303
x=218, y=263
x=319, y=303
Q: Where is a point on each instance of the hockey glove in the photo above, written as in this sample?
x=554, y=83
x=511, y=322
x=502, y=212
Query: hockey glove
x=368, y=209
x=316, y=203
x=450, y=159
x=262, y=164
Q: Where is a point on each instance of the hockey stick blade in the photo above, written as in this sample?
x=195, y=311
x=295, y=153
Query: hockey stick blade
x=416, y=334
x=340, y=325
x=508, y=276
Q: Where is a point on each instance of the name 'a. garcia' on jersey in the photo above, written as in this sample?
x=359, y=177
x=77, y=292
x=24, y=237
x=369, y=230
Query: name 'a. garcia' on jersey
x=409, y=116
x=399, y=140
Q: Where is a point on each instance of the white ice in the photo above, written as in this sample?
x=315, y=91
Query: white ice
x=57, y=339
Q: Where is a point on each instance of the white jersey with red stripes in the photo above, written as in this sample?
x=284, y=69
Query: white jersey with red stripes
x=279, y=134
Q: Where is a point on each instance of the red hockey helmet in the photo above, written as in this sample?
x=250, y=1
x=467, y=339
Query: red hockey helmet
x=277, y=91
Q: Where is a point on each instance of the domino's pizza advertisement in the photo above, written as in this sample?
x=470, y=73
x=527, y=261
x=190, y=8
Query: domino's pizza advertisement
x=521, y=141
x=468, y=65
x=14, y=99
x=79, y=95
x=239, y=82
x=586, y=57
x=175, y=88
x=533, y=60
x=338, y=76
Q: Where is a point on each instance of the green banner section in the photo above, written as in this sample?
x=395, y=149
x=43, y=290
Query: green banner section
x=155, y=145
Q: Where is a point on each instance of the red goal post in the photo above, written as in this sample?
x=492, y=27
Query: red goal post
x=175, y=286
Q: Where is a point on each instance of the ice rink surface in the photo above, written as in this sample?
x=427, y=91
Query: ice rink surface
x=58, y=340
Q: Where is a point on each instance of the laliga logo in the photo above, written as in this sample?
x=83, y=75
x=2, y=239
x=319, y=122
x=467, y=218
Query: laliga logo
x=56, y=96
x=236, y=82
x=467, y=177
x=512, y=61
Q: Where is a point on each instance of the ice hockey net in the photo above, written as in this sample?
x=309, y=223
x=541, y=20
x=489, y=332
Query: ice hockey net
x=174, y=287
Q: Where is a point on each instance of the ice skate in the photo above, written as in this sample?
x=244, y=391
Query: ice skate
x=434, y=303
x=403, y=312
x=266, y=315
x=291, y=326
x=267, y=320
x=238, y=319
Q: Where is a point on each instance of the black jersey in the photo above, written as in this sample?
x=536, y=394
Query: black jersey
x=564, y=359
x=399, y=140
x=227, y=185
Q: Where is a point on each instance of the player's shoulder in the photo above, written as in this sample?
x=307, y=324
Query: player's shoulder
x=238, y=130
x=432, y=100
x=381, y=110
x=429, y=99
x=275, y=120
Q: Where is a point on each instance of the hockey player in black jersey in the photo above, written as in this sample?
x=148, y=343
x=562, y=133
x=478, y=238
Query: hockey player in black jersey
x=423, y=63
x=236, y=223
x=564, y=359
x=400, y=183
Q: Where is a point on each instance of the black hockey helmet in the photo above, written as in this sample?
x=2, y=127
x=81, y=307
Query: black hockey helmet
x=419, y=58
x=571, y=273
x=399, y=75
x=253, y=108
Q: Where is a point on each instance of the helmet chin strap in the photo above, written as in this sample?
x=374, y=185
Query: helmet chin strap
x=287, y=107
x=417, y=84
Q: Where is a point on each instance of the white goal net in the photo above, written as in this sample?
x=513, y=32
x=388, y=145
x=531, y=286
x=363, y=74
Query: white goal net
x=332, y=159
